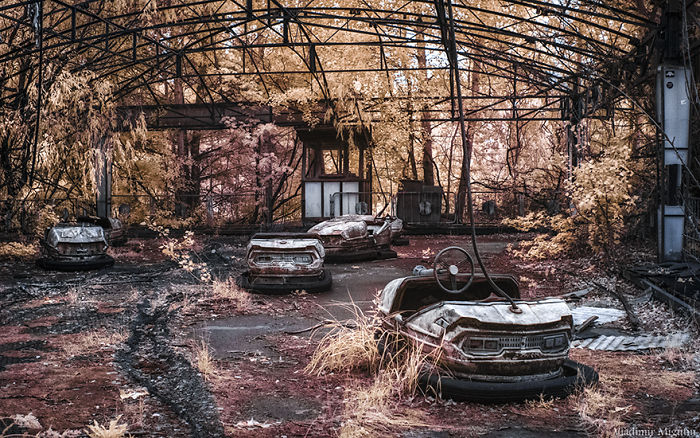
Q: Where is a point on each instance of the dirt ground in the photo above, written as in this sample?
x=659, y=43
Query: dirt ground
x=147, y=345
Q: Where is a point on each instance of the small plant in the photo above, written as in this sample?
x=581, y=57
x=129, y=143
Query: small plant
x=113, y=430
x=540, y=403
x=602, y=411
x=348, y=348
x=228, y=290
x=28, y=421
x=180, y=251
x=204, y=361
x=89, y=342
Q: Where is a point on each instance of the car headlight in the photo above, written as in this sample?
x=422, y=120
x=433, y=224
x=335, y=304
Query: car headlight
x=262, y=259
x=303, y=259
x=482, y=345
x=555, y=342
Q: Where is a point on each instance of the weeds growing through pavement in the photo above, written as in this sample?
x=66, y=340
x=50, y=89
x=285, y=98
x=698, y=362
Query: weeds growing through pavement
x=228, y=290
x=204, y=360
x=395, y=364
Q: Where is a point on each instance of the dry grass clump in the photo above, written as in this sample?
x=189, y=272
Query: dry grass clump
x=348, y=347
x=602, y=411
x=540, y=403
x=677, y=358
x=204, y=360
x=89, y=342
x=228, y=290
x=373, y=410
x=113, y=430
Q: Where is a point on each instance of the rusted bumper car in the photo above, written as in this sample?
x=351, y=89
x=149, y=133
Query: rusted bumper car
x=489, y=349
x=74, y=247
x=284, y=262
x=355, y=237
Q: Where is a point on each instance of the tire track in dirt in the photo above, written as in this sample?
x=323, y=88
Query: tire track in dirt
x=151, y=361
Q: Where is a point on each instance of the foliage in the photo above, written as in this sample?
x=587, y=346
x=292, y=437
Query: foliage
x=181, y=251
x=17, y=250
x=250, y=171
x=604, y=194
x=564, y=238
x=45, y=218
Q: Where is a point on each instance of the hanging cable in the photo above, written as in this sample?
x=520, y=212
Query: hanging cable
x=449, y=41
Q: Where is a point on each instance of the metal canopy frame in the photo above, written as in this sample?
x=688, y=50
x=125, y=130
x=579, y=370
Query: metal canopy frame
x=545, y=48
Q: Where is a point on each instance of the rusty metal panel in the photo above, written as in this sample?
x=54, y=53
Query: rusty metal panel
x=633, y=343
x=604, y=314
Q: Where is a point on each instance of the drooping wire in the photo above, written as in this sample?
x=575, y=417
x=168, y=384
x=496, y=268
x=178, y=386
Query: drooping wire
x=450, y=43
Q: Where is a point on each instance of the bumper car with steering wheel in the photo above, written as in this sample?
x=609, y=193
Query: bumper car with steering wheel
x=491, y=348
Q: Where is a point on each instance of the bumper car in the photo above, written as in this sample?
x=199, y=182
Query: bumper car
x=490, y=348
x=284, y=262
x=74, y=247
x=355, y=237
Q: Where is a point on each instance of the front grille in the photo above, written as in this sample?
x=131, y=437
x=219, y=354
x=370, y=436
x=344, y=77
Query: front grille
x=492, y=345
x=297, y=259
x=80, y=249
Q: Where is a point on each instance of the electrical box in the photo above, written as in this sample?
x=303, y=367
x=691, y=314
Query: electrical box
x=672, y=86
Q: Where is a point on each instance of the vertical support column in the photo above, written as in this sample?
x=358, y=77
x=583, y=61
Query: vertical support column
x=673, y=108
x=673, y=113
x=103, y=177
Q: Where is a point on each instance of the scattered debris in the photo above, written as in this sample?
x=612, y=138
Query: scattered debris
x=252, y=424
x=605, y=315
x=633, y=343
x=133, y=394
x=586, y=324
x=631, y=316
x=577, y=295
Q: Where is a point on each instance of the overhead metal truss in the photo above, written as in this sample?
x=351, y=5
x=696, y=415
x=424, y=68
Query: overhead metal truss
x=561, y=58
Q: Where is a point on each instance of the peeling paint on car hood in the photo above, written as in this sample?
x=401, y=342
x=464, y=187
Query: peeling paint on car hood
x=75, y=234
x=496, y=313
x=348, y=227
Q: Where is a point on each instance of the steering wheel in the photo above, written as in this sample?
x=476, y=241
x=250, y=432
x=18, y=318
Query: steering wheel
x=448, y=263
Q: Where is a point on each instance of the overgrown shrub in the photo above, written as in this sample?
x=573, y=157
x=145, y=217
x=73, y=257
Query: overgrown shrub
x=601, y=201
